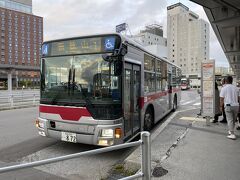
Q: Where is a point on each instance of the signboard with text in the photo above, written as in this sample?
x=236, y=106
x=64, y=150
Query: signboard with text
x=88, y=45
x=121, y=27
x=208, y=88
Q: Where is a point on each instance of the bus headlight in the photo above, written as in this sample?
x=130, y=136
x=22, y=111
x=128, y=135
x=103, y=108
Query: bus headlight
x=39, y=124
x=107, y=133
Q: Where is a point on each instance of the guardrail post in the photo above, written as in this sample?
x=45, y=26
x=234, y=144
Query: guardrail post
x=146, y=155
x=11, y=100
x=34, y=99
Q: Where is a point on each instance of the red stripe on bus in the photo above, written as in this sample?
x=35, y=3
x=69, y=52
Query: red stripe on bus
x=66, y=113
x=157, y=95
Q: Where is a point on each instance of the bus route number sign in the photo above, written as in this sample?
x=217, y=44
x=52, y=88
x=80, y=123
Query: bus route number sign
x=81, y=46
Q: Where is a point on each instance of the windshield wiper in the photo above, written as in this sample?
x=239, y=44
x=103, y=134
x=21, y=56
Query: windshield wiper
x=73, y=80
x=69, y=80
x=87, y=100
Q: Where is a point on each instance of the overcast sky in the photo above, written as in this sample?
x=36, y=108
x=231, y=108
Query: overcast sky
x=80, y=17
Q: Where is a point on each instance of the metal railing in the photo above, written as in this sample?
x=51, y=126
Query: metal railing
x=19, y=99
x=144, y=173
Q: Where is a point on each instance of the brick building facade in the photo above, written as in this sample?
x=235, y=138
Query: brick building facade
x=21, y=39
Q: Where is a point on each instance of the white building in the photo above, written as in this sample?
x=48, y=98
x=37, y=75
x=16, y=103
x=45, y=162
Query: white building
x=152, y=39
x=223, y=71
x=188, y=40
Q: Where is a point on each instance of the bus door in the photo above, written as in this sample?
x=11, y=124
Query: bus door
x=131, y=99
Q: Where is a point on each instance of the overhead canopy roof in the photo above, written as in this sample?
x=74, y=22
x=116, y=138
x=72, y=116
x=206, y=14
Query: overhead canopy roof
x=224, y=16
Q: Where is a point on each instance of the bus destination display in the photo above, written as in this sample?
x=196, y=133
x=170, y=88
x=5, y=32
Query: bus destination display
x=79, y=46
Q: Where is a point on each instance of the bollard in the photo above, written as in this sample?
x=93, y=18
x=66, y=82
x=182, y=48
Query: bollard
x=11, y=100
x=208, y=120
x=146, y=155
x=34, y=100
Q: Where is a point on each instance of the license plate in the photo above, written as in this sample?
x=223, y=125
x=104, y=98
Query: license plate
x=69, y=137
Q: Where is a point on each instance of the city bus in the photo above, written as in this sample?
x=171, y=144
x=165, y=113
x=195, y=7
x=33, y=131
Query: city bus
x=185, y=84
x=103, y=89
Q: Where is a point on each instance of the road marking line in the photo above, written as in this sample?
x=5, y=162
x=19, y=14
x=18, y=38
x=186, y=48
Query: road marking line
x=163, y=126
x=196, y=104
x=192, y=101
x=193, y=119
x=188, y=102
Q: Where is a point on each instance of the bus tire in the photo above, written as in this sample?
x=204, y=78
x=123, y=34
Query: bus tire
x=175, y=104
x=148, y=120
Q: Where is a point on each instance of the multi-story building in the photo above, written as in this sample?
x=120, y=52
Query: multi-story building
x=188, y=39
x=152, y=39
x=223, y=71
x=21, y=39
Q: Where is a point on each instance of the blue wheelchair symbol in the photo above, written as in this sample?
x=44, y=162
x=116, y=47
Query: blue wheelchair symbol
x=109, y=44
x=45, y=49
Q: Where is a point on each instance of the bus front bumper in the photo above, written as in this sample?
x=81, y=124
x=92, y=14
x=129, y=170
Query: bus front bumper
x=101, y=135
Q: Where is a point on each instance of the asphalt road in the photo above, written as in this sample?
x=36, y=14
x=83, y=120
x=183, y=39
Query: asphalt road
x=19, y=143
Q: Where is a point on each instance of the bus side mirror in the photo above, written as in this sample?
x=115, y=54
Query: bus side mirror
x=123, y=50
x=107, y=57
x=117, y=68
x=116, y=54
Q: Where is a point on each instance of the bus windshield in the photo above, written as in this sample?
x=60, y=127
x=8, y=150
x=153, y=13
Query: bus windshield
x=82, y=81
x=184, y=82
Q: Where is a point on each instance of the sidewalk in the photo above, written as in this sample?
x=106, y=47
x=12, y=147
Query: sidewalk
x=205, y=153
x=188, y=149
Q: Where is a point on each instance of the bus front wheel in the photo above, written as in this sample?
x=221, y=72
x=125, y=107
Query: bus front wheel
x=148, y=120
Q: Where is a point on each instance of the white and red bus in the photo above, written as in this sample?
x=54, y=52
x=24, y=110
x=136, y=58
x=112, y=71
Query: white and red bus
x=103, y=89
x=185, y=84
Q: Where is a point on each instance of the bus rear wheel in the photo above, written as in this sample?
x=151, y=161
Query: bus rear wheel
x=148, y=120
x=174, y=104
